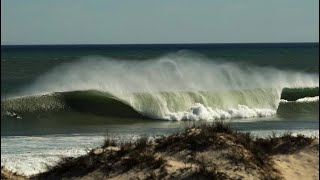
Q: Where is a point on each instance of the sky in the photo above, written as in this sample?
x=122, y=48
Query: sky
x=158, y=21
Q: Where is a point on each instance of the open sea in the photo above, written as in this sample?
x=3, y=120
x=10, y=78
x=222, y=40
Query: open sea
x=60, y=100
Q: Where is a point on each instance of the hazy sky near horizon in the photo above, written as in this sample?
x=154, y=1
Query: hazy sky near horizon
x=162, y=21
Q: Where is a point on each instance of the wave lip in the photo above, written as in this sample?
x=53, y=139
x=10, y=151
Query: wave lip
x=302, y=100
x=308, y=99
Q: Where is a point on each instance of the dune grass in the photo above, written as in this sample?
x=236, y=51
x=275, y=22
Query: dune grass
x=143, y=154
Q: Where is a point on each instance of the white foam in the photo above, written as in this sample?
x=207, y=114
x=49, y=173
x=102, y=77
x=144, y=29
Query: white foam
x=200, y=112
x=308, y=99
x=302, y=100
x=29, y=163
x=29, y=155
x=284, y=101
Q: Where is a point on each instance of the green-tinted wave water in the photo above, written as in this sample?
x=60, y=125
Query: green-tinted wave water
x=144, y=105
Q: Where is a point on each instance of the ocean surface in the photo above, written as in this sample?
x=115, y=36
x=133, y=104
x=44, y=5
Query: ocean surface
x=60, y=100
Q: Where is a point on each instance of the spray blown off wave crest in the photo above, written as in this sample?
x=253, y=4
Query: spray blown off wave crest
x=178, y=86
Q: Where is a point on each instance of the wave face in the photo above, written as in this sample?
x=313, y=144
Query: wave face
x=174, y=87
x=179, y=105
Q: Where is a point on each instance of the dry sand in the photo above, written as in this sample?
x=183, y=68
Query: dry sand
x=303, y=164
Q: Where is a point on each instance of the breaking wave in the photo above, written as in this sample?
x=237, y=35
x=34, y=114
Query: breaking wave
x=181, y=86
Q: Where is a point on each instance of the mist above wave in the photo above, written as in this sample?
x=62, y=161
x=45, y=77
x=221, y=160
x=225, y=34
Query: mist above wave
x=179, y=71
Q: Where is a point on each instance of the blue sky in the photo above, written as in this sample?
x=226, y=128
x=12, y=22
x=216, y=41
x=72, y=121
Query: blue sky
x=162, y=21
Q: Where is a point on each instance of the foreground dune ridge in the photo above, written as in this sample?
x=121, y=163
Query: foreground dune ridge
x=203, y=151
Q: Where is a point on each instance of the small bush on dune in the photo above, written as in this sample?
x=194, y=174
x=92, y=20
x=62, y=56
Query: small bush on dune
x=141, y=143
x=208, y=172
x=198, y=137
x=109, y=141
x=142, y=160
x=70, y=167
x=218, y=127
x=286, y=143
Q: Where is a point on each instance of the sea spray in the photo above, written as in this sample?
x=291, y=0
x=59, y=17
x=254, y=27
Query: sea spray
x=175, y=83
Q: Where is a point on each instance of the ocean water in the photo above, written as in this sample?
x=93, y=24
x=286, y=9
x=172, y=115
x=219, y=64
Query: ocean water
x=59, y=100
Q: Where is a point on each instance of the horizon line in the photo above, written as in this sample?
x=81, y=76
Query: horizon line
x=160, y=43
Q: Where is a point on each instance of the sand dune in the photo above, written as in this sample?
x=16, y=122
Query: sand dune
x=203, y=152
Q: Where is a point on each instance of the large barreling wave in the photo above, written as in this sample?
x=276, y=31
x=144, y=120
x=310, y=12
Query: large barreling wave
x=179, y=86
